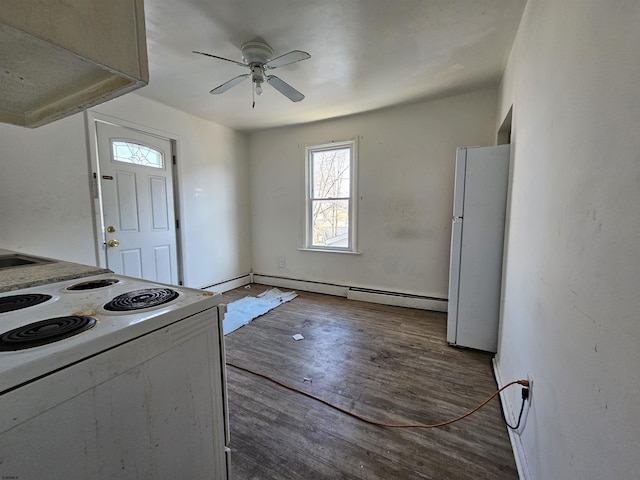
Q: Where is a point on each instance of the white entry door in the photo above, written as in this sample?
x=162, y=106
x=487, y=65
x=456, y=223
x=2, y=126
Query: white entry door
x=137, y=199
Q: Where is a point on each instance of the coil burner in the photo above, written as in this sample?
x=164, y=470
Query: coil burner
x=44, y=332
x=93, y=284
x=25, y=300
x=139, y=299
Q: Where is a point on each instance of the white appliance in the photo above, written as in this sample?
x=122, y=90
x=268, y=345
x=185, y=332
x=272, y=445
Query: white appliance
x=137, y=391
x=477, y=238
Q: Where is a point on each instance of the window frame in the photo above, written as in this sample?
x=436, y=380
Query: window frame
x=351, y=247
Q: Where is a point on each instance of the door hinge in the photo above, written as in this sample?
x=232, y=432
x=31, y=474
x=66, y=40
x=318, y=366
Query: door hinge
x=177, y=223
x=173, y=159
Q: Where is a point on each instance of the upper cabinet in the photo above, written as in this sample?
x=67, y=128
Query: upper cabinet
x=58, y=57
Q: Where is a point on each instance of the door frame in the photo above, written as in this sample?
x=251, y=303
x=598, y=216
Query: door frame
x=92, y=119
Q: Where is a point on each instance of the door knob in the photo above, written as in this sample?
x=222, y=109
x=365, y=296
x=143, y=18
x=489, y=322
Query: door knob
x=113, y=243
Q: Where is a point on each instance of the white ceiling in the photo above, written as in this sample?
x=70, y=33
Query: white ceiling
x=365, y=54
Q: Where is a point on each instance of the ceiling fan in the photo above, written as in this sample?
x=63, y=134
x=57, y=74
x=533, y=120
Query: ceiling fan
x=257, y=56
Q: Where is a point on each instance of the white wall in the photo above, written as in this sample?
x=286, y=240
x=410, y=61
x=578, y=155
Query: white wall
x=46, y=206
x=406, y=170
x=45, y=203
x=572, y=281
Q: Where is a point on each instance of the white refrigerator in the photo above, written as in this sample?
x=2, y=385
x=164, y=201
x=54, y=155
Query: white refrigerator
x=477, y=239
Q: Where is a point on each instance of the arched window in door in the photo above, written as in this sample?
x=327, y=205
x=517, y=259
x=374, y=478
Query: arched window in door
x=136, y=153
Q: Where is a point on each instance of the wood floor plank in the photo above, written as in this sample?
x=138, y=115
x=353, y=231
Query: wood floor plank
x=386, y=363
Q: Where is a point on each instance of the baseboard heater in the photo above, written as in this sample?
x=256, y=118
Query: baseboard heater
x=356, y=293
x=397, y=299
x=226, y=285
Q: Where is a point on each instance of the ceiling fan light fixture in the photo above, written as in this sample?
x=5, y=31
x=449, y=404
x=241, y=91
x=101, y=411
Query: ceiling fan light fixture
x=257, y=77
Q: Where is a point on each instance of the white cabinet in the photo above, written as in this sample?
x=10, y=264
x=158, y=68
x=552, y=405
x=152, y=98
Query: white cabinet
x=58, y=57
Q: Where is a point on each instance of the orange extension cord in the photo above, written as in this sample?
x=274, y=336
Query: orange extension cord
x=524, y=383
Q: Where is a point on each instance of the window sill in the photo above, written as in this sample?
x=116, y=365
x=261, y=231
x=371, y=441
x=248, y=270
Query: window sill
x=329, y=250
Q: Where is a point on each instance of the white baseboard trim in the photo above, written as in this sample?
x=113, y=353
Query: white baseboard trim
x=516, y=442
x=356, y=293
x=229, y=284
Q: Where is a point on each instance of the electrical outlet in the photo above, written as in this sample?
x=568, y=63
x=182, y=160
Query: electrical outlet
x=282, y=261
x=530, y=379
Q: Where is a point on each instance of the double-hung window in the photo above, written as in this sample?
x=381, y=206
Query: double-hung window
x=331, y=197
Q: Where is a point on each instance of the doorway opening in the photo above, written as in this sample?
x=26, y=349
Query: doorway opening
x=504, y=132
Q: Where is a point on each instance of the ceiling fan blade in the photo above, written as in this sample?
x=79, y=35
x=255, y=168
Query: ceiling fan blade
x=221, y=58
x=228, y=84
x=287, y=58
x=284, y=88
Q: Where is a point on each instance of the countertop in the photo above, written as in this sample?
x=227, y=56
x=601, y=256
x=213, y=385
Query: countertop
x=25, y=276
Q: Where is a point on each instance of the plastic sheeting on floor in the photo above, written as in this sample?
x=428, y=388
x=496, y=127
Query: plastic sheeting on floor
x=242, y=311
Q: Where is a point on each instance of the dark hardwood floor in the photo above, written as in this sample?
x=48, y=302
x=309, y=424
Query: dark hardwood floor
x=390, y=364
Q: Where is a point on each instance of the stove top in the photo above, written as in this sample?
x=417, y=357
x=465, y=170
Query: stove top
x=47, y=327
